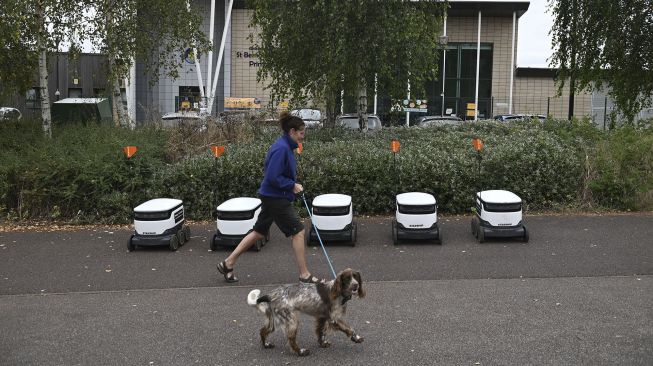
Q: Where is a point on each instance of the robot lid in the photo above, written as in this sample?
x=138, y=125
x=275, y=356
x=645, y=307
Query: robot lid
x=240, y=204
x=158, y=205
x=332, y=200
x=498, y=196
x=415, y=199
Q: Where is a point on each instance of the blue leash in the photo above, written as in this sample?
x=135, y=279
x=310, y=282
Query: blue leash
x=318, y=235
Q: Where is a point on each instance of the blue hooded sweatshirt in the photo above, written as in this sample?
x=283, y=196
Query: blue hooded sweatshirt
x=280, y=169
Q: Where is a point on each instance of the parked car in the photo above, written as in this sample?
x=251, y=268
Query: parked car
x=512, y=117
x=175, y=119
x=9, y=114
x=312, y=117
x=538, y=116
x=427, y=121
x=350, y=122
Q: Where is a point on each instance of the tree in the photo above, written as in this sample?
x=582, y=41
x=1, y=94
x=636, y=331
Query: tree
x=156, y=32
x=314, y=49
x=18, y=56
x=28, y=32
x=605, y=43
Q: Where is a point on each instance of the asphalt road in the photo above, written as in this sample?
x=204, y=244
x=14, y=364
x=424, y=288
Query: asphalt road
x=580, y=292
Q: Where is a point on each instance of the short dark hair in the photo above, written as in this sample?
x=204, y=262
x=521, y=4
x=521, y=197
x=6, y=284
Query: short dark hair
x=289, y=122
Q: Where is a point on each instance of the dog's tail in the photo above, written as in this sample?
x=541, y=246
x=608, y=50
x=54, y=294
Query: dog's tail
x=255, y=299
x=253, y=296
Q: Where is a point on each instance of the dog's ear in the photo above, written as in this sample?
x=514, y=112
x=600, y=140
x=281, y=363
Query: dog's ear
x=361, y=292
x=337, y=286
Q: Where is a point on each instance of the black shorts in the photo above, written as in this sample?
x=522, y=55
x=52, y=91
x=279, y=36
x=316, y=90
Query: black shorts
x=281, y=212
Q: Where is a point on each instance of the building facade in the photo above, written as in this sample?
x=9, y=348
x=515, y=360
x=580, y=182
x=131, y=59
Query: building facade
x=83, y=76
x=503, y=87
x=494, y=25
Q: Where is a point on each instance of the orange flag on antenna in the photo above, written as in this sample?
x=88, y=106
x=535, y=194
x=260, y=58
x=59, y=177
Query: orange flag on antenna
x=129, y=151
x=217, y=150
x=478, y=144
x=395, y=145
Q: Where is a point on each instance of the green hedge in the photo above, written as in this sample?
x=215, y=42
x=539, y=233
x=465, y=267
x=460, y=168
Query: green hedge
x=80, y=175
x=441, y=161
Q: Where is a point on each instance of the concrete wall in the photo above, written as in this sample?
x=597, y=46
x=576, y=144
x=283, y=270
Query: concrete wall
x=245, y=62
x=536, y=95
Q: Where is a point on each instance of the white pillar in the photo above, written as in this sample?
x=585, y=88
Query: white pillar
x=375, y=91
x=209, y=60
x=512, y=59
x=408, y=113
x=226, y=60
x=131, y=93
x=478, y=63
x=218, y=62
x=444, y=64
x=197, y=62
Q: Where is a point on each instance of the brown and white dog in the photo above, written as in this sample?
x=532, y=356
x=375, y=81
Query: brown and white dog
x=327, y=302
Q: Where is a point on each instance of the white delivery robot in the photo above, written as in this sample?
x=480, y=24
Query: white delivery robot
x=236, y=219
x=333, y=217
x=159, y=221
x=498, y=214
x=416, y=218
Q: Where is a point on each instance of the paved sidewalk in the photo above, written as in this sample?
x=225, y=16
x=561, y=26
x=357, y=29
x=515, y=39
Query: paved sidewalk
x=579, y=293
x=569, y=321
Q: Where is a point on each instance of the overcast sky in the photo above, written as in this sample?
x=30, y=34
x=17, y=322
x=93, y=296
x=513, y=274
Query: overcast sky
x=534, y=42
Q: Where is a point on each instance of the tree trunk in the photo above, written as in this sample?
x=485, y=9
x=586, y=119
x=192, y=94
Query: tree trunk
x=362, y=105
x=46, y=115
x=120, y=118
x=118, y=111
x=572, y=87
x=330, y=109
x=118, y=107
x=44, y=94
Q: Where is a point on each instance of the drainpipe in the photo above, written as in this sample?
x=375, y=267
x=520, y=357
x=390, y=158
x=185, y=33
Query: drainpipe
x=478, y=62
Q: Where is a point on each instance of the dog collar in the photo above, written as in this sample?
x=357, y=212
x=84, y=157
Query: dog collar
x=345, y=299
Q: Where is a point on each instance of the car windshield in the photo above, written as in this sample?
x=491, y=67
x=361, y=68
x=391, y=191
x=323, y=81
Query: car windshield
x=438, y=120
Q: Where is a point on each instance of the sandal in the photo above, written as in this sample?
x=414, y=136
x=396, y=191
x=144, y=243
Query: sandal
x=311, y=279
x=222, y=268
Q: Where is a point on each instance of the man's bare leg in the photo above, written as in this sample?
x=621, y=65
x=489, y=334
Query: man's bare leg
x=298, y=248
x=242, y=247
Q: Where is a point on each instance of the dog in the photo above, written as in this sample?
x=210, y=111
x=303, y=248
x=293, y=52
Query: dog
x=327, y=302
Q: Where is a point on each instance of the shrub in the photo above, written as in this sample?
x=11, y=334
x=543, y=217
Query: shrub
x=80, y=175
x=81, y=171
x=622, y=170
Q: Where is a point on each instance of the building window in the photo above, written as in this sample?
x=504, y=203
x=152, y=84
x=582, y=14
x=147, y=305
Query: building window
x=460, y=81
x=189, y=98
x=459, y=85
x=33, y=98
x=74, y=92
